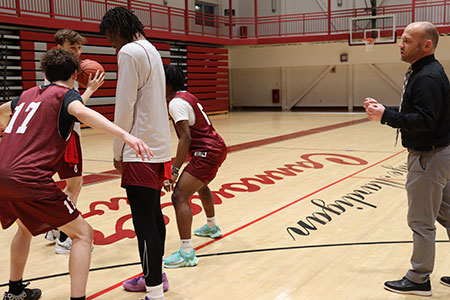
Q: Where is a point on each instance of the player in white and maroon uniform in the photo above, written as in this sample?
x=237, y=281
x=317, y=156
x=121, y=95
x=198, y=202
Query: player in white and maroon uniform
x=71, y=165
x=31, y=149
x=207, y=149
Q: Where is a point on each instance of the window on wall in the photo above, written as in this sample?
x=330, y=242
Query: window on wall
x=204, y=14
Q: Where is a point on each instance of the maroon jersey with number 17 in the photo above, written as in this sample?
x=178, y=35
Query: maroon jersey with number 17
x=32, y=146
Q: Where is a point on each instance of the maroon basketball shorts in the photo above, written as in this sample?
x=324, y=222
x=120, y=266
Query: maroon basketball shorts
x=40, y=207
x=70, y=169
x=148, y=175
x=205, y=164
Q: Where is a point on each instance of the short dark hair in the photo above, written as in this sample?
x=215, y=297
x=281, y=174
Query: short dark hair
x=123, y=20
x=59, y=64
x=174, y=77
x=69, y=35
x=431, y=33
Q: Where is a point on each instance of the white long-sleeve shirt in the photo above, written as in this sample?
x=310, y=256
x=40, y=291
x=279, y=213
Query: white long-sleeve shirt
x=141, y=103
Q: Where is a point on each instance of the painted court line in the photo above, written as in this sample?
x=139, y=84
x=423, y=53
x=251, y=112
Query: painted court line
x=108, y=175
x=237, y=252
x=294, y=135
x=100, y=293
x=260, y=218
x=296, y=201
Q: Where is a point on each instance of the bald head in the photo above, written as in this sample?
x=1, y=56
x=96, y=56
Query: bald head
x=419, y=39
x=426, y=31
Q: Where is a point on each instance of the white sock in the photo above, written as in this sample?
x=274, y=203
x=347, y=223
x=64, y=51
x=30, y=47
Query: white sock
x=155, y=292
x=186, y=246
x=211, y=222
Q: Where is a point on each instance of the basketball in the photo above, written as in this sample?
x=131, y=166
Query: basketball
x=88, y=66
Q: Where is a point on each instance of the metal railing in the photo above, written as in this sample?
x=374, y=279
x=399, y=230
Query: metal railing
x=181, y=21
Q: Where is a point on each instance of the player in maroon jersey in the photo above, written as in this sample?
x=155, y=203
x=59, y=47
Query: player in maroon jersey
x=207, y=149
x=31, y=149
x=71, y=166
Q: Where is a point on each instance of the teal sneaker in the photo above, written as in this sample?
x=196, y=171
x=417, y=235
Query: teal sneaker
x=213, y=232
x=180, y=259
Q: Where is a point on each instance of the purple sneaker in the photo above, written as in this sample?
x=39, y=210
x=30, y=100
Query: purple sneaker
x=165, y=282
x=138, y=284
x=135, y=285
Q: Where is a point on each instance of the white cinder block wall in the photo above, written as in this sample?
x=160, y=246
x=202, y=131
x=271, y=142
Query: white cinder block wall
x=255, y=71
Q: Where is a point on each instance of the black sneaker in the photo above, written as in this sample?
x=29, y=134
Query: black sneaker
x=27, y=294
x=445, y=280
x=406, y=286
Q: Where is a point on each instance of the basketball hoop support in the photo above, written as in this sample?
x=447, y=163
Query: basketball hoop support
x=361, y=28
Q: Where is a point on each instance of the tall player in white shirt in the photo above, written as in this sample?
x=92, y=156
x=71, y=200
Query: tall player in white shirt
x=141, y=110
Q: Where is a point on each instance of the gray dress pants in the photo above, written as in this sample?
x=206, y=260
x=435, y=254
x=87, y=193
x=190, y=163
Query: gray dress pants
x=428, y=190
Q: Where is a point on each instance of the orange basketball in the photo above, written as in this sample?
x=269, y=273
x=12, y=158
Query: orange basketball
x=88, y=66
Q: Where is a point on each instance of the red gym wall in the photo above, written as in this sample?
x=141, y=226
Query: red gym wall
x=207, y=77
x=207, y=69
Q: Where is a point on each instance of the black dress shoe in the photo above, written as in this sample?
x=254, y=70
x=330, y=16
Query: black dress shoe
x=406, y=286
x=445, y=280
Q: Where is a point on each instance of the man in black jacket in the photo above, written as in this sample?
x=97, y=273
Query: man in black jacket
x=423, y=119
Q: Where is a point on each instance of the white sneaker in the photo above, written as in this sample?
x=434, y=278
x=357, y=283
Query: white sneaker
x=52, y=235
x=63, y=247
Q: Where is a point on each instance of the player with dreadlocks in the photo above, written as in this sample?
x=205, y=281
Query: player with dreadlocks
x=141, y=110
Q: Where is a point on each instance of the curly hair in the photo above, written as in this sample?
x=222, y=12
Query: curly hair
x=174, y=77
x=69, y=35
x=59, y=64
x=123, y=20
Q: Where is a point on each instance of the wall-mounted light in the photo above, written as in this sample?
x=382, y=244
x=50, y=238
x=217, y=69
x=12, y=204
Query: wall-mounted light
x=274, y=5
x=339, y=3
x=165, y=2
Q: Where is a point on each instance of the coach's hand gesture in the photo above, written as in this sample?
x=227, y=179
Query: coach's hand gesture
x=375, y=111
